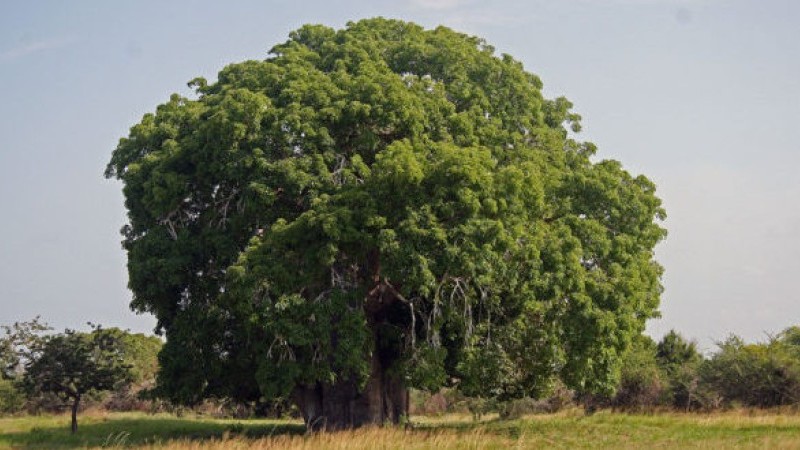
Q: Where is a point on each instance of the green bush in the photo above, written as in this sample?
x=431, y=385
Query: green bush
x=679, y=361
x=760, y=375
x=642, y=384
x=11, y=399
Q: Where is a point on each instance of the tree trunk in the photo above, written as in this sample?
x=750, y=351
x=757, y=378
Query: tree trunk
x=384, y=398
x=341, y=406
x=75, y=404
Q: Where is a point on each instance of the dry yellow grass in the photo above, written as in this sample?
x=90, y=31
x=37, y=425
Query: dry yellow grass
x=362, y=439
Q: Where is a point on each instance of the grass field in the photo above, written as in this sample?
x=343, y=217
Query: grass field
x=565, y=430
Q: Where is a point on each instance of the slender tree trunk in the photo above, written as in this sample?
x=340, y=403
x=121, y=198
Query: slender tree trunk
x=75, y=404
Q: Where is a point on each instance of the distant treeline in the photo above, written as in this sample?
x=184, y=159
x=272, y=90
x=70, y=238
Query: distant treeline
x=43, y=371
x=668, y=374
x=673, y=373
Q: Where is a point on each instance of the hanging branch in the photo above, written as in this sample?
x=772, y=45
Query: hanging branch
x=338, y=172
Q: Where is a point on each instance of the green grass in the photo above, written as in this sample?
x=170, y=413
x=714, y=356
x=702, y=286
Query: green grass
x=608, y=430
x=130, y=429
x=565, y=430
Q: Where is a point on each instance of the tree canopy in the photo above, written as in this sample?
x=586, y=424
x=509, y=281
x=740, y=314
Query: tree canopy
x=378, y=207
x=74, y=364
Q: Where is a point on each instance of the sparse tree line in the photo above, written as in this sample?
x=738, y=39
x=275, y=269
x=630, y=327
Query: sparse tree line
x=111, y=369
x=42, y=371
x=106, y=369
x=670, y=374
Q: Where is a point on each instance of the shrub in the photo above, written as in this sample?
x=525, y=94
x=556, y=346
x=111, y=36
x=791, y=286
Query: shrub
x=561, y=397
x=679, y=360
x=760, y=375
x=11, y=399
x=642, y=384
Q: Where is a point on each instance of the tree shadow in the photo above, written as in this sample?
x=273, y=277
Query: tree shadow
x=494, y=425
x=146, y=431
x=149, y=430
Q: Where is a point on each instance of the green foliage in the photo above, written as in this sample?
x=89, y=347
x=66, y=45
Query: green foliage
x=642, y=383
x=382, y=192
x=140, y=352
x=73, y=365
x=679, y=361
x=755, y=374
x=307, y=348
x=791, y=338
x=12, y=400
x=673, y=352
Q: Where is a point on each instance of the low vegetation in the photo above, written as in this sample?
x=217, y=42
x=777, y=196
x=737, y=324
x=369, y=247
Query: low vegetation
x=568, y=429
x=44, y=372
x=669, y=375
x=672, y=374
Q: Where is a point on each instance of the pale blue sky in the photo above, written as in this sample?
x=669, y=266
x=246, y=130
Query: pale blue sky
x=703, y=96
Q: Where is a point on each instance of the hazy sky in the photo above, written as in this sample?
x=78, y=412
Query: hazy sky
x=702, y=96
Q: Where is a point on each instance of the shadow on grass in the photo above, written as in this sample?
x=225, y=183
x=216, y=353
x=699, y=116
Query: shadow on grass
x=143, y=431
x=148, y=430
x=494, y=426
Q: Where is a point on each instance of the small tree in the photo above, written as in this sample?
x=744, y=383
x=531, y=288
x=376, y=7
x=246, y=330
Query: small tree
x=74, y=364
x=679, y=359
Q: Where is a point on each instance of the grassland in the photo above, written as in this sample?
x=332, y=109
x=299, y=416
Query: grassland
x=742, y=429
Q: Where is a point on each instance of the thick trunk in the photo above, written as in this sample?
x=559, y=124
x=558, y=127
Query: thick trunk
x=383, y=400
x=75, y=404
